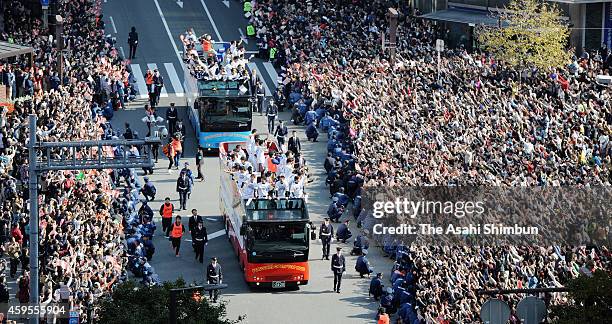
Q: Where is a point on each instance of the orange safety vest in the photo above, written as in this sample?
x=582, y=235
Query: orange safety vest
x=167, y=212
x=177, y=231
x=176, y=145
x=149, y=78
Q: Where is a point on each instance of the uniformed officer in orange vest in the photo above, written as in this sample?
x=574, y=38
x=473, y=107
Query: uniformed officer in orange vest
x=166, y=210
x=176, y=231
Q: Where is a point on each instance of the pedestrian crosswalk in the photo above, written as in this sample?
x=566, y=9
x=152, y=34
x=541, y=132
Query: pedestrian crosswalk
x=173, y=78
x=172, y=82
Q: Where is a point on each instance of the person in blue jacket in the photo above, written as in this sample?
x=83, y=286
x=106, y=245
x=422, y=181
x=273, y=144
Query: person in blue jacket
x=386, y=301
x=376, y=286
x=344, y=233
x=363, y=266
x=310, y=117
x=311, y=132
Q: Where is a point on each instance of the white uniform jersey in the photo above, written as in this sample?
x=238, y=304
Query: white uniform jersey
x=297, y=189
x=263, y=189
x=248, y=191
x=281, y=188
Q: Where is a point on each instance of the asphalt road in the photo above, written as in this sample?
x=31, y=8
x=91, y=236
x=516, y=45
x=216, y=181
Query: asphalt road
x=313, y=303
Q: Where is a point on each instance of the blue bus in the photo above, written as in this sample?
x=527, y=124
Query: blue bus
x=219, y=111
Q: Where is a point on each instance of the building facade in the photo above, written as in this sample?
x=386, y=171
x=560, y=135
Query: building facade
x=590, y=21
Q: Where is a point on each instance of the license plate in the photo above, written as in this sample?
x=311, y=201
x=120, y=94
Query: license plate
x=278, y=284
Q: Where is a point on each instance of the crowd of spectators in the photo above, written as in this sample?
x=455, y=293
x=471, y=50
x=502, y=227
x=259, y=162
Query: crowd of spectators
x=476, y=122
x=81, y=216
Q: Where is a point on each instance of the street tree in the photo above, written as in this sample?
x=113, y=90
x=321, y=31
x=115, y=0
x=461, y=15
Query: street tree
x=132, y=303
x=530, y=33
x=591, y=300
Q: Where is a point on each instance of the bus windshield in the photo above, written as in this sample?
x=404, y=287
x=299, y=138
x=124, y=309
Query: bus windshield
x=274, y=238
x=224, y=114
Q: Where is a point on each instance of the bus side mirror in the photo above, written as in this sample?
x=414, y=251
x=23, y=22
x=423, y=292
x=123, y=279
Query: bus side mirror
x=243, y=230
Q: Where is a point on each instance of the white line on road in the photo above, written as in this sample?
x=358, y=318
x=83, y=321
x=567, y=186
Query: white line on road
x=113, y=24
x=251, y=52
x=174, y=79
x=164, y=92
x=211, y=236
x=219, y=38
x=226, y=3
x=180, y=4
x=161, y=14
x=212, y=219
x=252, y=66
x=244, y=39
x=272, y=72
x=216, y=234
x=122, y=52
x=140, y=81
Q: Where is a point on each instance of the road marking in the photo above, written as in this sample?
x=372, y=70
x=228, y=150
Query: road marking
x=161, y=14
x=174, y=79
x=244, y=39
x=216, y=234
x=251, y=52
x=219, y=38
x=212, y=219
x=180, y=4
x=252, y=66
x=226, y=3
x=122, y=52
x=113, y=24
x=140, y=81
x=272, y=72
x=164, y=92
x=211, y=236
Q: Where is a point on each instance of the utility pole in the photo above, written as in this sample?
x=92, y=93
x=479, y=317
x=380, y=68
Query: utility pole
x=47, y=162
x=392, y=15
x=59, y=36
x=45, y=12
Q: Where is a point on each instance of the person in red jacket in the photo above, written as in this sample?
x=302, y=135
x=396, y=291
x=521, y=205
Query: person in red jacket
x=16, y=233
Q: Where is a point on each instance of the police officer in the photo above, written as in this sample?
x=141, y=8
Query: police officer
x=214, y=276
x=148, y=190
x=200, y=238
x=338, y=267
x=326, y=232
x=376, y=286
x=363, y=266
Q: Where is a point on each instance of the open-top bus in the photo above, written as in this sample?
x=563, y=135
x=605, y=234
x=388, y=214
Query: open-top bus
x=219, y=110
x=270, y=236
